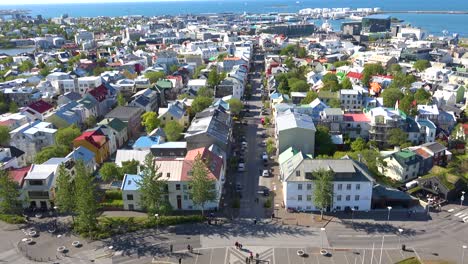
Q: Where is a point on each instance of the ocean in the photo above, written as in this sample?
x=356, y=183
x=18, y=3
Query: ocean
x=432, y=23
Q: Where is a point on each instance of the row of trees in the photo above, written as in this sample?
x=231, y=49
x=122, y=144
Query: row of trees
x=63, y=144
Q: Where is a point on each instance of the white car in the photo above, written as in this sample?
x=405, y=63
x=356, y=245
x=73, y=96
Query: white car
x=244, y=143
x=265, y=173
x=241, y=167
x=265, y=156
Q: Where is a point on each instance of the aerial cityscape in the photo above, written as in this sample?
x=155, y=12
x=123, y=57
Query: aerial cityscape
x=230, y=132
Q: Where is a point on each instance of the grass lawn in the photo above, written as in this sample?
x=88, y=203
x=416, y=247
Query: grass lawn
x=412, y=260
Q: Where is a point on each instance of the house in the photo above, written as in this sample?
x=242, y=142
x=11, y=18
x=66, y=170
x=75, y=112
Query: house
x=230, y=86
x=118, y=129
x=430, y=112
x=175, y=111
x=95, y=141
x=67, y=115
x=351, y=100
x=87, y=83
x=427, y=130
x=146, y=142
x=32, y=138
x=103, y=99
x=11, y=157
x=401, y=165
x=125, y=155
x=37, y=110
x=211, y=126
x=68, y=97
x=131, y=116
x=382, y=120
x=356, y=125
x=196, y=84
x=177, y=174
x=439, y=153
x=146, y=99
x=169, y=149
x=295, y=130
x=86, y=156
x=332, y=118
x=352, y=183
x=445, y=185
x=296, y=97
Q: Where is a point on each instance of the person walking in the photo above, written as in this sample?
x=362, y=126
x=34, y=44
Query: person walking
x=171, y=248
x=180, y=260
x=189, y=248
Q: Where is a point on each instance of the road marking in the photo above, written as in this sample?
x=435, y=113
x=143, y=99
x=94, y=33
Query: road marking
x=211, y=255
x=390, y=257
x=346, y=257
x=287, y=253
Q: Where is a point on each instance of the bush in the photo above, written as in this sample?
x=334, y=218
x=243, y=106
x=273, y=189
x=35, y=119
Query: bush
x=12, y=219
x=267, y=203
x=113, y=199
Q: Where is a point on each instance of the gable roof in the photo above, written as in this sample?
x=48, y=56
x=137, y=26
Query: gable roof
x=95, y=137
x=289, y=120
x=40, y=106
x=81, y=153
x=214, y=163
x=114, y=123
x=99, y=93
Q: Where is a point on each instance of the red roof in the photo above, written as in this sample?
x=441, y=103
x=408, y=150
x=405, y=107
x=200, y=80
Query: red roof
x=214, y=166
x=465, y=128
x=354, y=75
x=384, y=76
x=40, y=106
x=355, y=117
x=421, y=152
x=95, y=137
x=18, y=175
x=100, y=93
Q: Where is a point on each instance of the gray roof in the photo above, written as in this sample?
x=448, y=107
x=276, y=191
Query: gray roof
x=212, y=121
x=289, y=120
x=333, y=111
x=125, y=113
x=434, y=146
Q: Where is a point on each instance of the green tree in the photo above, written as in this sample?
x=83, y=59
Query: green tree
x=150, y=121
x=235, y=106
x=26, y=66
x=371, y=70
x=173, y=130
x=394, y=68
x=310, y=96
x=203, y=187
x=86, y=202
x=407, y=104
x=323, y=189
x=54, y=151
x=358, y=145
x=200, y=103
x=421, y=65
x=109, y=171
x=270, y=147
x=65, y=197
x=197, y=71
x=121, y=99
x=346, y=84
x=65, y=136
x=297, y=85
x=338, y=64
x=9, y=194
x=4, y=135
x=173, y=68
x=129, y=167
x=213, y=78
x=205, y=92
x=324, y=144
x=397, y=137
x=44, y=71
x=289, y=62
x=90, y=122
x=332, y=86
x=334, y=103
x=402, y=80
x=152, y=186
x=154, y=76
x=390, y=96
x=289, y=50
x=13, y=107
x=422, y=96
x=329, y=77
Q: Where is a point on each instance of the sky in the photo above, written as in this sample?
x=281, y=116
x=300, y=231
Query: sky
x=29, y=2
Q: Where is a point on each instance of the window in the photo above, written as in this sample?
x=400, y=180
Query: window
x=338, y=197
x=348, y=197
x=299, y=186
x=309, y=186
x=298, y=173
x=356, y=208
x=356, y=198
x=340, y=186
x=338, y=208
x=185, y=197
x=172, y=118
x=164, y=118
x=309, y=197
x=184, y=187
x=299, y=197
x=358, y=186
x=348, y=186
x=130, y=197
x=177, y=186
x=35, y=182
x=168, y=175
x=131, y=207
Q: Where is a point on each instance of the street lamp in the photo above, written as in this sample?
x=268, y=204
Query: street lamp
x=352, y=215
x=156, y=216
x=388, y=215
x=463, y=253
x=400, y=231
x=462, y=198
x=321, y=236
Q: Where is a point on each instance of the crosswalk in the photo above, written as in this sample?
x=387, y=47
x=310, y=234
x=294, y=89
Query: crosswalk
x=463, y=215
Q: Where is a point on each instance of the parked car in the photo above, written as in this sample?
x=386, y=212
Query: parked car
x=265, y=156
x=241, y=167
x=265, y=173
x=238, y=187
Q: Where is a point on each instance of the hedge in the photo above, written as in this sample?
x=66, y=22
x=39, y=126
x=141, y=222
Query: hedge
x=12, y=219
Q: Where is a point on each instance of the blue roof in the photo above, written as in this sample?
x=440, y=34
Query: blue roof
x=275, y=95
x=130, y=182
x=146, y=142
x=222, y=103
x=81, y=153
x=426, y=123
x=378, y=16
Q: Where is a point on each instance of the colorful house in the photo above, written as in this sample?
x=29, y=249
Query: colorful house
x=96, y=142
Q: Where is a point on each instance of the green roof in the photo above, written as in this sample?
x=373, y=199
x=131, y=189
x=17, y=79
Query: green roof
x=164, y=84
x=405, y=154
x=114, y=123
x=287, y=154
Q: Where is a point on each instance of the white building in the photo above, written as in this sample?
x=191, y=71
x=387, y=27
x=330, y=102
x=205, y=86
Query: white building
x=196, y=84
x=87, y=83
x=352, y=184
x=400, y=165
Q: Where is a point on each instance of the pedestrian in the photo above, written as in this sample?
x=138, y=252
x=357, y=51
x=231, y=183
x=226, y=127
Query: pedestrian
x=171, y=248
x=237, y=245
x=247, y=260
x=257, y=256
x=255, y=221
x=180, y=260
x=251, y=256
x=188, y=248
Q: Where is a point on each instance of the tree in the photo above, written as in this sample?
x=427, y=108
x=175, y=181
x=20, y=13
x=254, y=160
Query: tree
x=151, y=186
x=173, y=68
x=402, y=80
x=323, y=189
x=421, y=65
x=358, y=145
x=121, y=99
x=301, y=52
x=54, y=151
x=150, y=121
x=109, y=171
x=324, y=144
x=26, y=66
x=4, y=135
x=203, y=188
x=334, y=103
x=397, y=137
x=13, y=107
x=197, y=71
x=65, y=197
x=270, y=147
x=422, y=96
x=310, y=96
x=90, y=122
x=200, y=103
x=154, y=76
x=65, y=136
x=44, y=71
x=205, y=92
x=173, y=130
x=346, y=84
x=235, y=106
x=332, y=86
x=9, y=194
x=329, y=77
x=129, y=167
x=394, y=68
x=213, y=78
x=297, y=85
x=370, y=70
x=86, y=202
x=390, y=96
